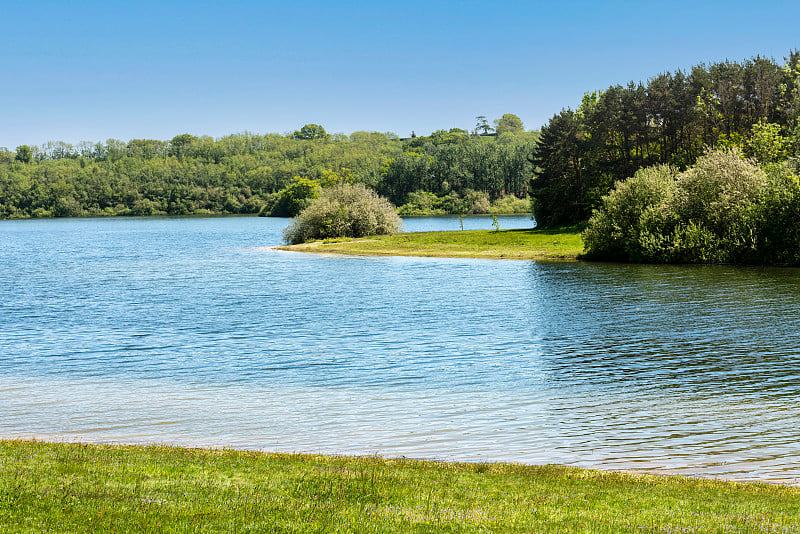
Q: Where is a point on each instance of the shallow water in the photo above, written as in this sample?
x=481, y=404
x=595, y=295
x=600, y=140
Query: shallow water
x=193, y=332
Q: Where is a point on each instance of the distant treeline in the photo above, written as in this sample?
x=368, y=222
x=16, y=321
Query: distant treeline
x=672, y=119
x=245, y=173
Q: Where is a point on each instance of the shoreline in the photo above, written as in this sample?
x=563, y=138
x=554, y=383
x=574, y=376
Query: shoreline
x=339, y=249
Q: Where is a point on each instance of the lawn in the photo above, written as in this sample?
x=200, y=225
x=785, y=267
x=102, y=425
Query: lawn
x=51, y=487
x=551, y=244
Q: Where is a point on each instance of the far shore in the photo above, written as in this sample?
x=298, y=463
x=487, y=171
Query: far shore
x=559, y=244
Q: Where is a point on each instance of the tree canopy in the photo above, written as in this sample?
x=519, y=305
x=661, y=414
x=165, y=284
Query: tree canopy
x=310, y=131
x=508, y=123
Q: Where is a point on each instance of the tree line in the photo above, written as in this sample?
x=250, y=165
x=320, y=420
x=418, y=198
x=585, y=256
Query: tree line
x=454, y=160
x=246, y=173
x=672, y=119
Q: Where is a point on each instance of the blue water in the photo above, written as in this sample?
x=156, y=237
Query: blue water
x=194, y=332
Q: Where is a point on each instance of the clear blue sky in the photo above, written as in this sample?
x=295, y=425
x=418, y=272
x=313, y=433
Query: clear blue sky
x=99, y=70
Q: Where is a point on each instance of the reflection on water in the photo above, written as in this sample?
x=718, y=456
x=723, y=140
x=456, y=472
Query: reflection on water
x=187, y=331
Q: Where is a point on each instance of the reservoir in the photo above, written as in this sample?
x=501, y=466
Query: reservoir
x=193, y=331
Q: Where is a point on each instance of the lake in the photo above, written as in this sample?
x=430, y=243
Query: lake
x=192, y=331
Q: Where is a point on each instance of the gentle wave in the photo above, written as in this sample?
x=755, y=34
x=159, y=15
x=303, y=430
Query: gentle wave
x=188, y=331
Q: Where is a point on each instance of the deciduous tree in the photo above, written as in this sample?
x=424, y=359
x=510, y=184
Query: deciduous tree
x=508, y=123
x=310, y=131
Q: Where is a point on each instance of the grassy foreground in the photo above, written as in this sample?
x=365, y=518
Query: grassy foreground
x=50, y=487
x=550, y=244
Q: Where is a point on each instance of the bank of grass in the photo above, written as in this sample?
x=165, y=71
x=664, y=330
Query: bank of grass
x=49, y=487
x=551, y=244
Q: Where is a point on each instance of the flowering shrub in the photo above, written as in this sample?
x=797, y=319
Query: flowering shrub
x=344, y=210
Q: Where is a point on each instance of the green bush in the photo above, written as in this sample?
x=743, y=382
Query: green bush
x=779, y=238
x=345, y=210
x=724, y=209
x=470, y=202
x=633, y=217
x=721, y=193
x=510, y=204
x=421, y=203
x=295, y=197
x=476, y=202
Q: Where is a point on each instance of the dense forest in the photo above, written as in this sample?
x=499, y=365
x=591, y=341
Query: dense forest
x=673, y=118
x=448, y=171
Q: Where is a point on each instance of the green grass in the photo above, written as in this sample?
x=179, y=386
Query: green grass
x=46, y=487
x=550, y=244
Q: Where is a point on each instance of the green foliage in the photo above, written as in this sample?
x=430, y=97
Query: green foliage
x=466, y=203
x=180, y=145
x=444, y=137
x=344, y=210
x=790, y=94
x=329, y=178
x=728, y=142
x=310, y=132
x=779, y=234
x=471, y=163
x=670, y=119
x=421, y=203
x=766, y=144
x=510, y=204
x=234, y=174
x=67, y=207
x=508, y=123
x=24, y=154
x=475, y=202
x=724, y=209
x=559, y=188
x=717, y=193
x=633, y=216
x=295, y=197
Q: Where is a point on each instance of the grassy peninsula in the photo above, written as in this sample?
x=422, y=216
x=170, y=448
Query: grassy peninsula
x=52, y=487
x=563, y=243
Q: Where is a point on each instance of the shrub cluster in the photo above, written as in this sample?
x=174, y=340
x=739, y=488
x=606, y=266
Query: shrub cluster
x=427, y=203
x=344, y=210
x=724, y=209
x=468, y=203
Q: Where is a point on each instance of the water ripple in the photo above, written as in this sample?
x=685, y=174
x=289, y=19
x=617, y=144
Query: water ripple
x=188, y=331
